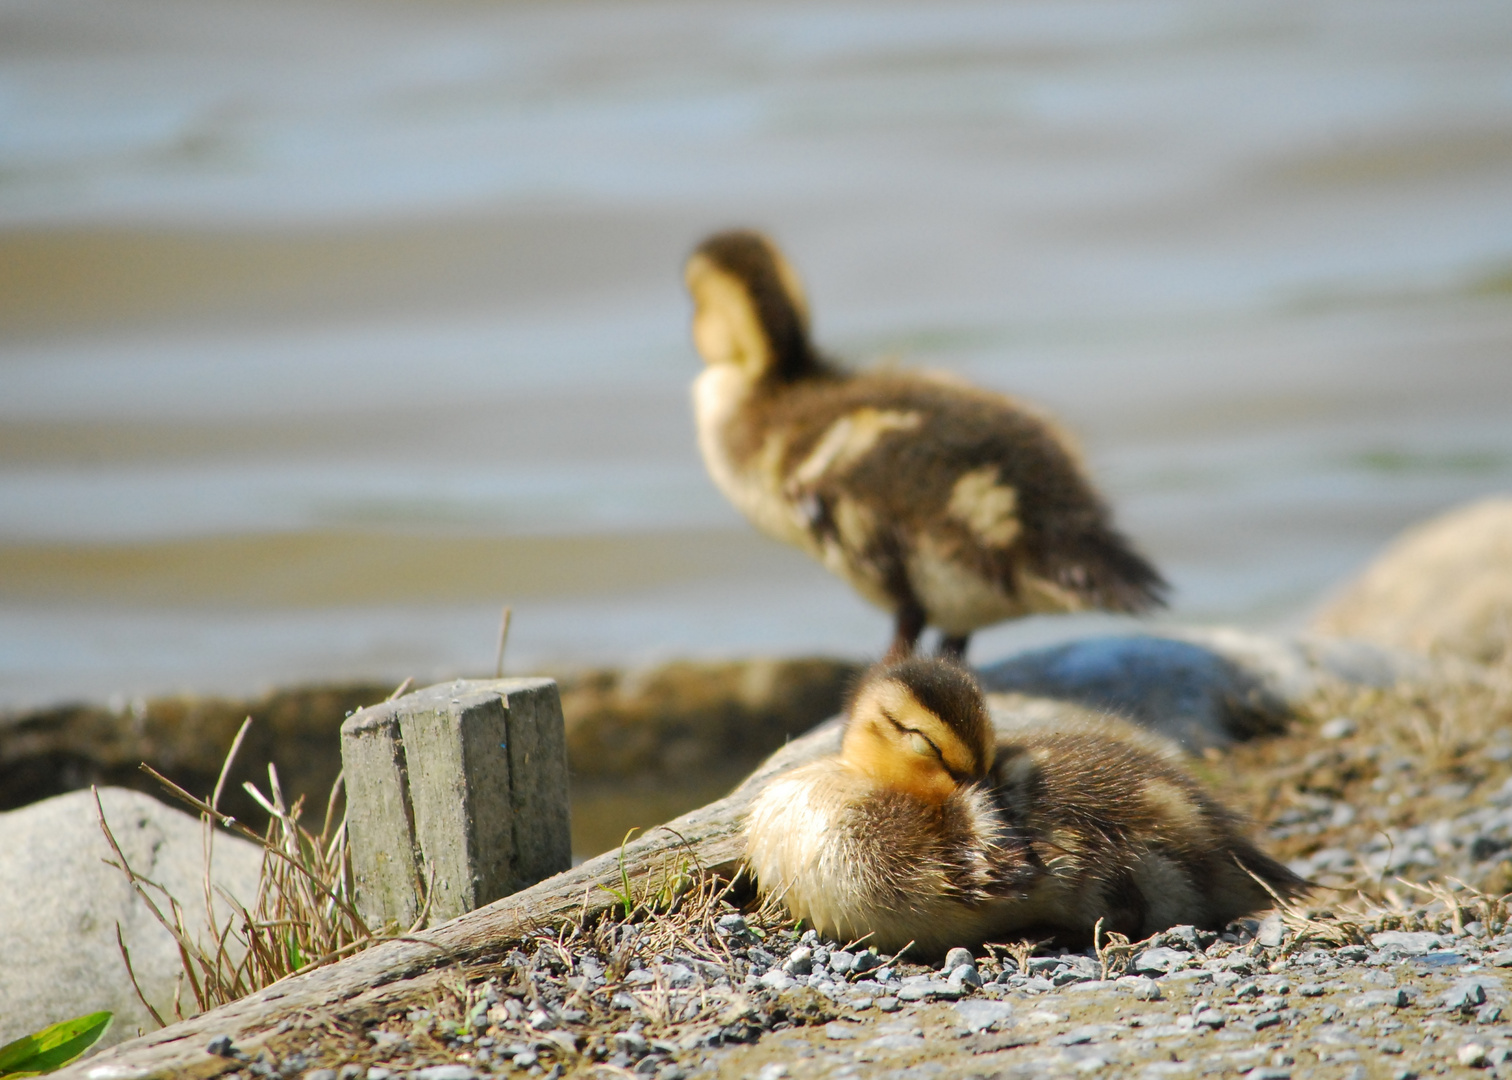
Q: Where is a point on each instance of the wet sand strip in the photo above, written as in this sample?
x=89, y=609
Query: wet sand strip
x=316, y=569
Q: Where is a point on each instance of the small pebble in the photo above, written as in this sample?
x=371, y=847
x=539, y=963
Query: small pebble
x=957, y=958
x=320, y=1074
x=1473, y=1055
x=220, y=1046
x=1185, y=936
x=800, y=961
x=889, y=1004
x=1143, y=988
x=630, y=1042
x=1340, y=727
x=444, y=1072
x=865, y=961
x=776, y=980
x=541, y=1020
x=1157, y=961
x=1466, y=995
x=965, y=976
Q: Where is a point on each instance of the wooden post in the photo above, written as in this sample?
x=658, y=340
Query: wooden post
x=462, y=786
x=364, y=988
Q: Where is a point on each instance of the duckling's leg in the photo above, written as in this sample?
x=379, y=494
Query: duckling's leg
x=953, y=647
x=908, y=624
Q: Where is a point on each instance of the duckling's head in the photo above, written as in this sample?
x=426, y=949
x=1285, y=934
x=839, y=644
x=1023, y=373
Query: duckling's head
x=919, y=726
x=748, y=307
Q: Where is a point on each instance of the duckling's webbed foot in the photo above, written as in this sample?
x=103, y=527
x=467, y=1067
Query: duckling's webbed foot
x=908, y=624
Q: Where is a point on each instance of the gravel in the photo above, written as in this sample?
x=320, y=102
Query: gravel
x=1396, y=985
x=1418, y=1000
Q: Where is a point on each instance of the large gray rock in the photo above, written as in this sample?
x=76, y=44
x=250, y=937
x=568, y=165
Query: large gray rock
x=1442, y=588
x=1199, y=687
x=60, y=903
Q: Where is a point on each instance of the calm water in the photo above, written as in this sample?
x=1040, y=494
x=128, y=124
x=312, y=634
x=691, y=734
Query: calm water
x=327, y=328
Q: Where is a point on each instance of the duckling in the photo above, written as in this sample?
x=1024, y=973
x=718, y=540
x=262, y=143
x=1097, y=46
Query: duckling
x=947, y=505
x=929, y=828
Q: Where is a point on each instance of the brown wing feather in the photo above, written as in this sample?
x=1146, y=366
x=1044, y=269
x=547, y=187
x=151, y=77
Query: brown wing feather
x=1066, y=535
x=1122, y=804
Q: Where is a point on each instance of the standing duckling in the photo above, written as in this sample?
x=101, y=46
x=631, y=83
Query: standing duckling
x=945, y=504
x=927, y=828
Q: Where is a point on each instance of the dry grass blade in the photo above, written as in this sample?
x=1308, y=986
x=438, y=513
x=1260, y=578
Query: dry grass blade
x=136, y=986
x=1305, y=927
x=503, y=640
x=302, y=916
x=188, y=946
x=1114, y=956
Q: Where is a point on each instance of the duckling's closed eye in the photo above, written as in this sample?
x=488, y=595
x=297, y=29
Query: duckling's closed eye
x=918, y=742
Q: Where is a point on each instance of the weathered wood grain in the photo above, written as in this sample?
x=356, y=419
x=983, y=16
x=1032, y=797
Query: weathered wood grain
x=362, y=986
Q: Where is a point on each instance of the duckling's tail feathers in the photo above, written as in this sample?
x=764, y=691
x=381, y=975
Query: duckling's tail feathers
x=1280, y=881
x=1102, y=568
x=1252, y=882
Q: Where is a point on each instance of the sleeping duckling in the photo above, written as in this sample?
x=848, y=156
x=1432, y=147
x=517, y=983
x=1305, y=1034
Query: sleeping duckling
x=928, y=828
x=944, y=504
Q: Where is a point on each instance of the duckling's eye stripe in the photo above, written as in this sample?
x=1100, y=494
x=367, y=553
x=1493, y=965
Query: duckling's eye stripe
x=893, y=720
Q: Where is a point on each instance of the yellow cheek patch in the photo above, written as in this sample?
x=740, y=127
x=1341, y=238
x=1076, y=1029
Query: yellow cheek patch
x=725, y=327
x=873, y=747
x=906, y=710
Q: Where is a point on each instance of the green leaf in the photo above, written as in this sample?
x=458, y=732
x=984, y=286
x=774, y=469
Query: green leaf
x=53, y=1047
